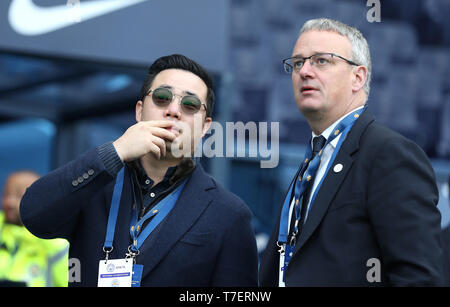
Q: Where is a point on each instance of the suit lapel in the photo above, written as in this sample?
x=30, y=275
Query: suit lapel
x=194, y=199
x=324, y=197
x=333, y=180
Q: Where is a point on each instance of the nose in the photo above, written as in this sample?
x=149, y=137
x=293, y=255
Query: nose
x=173, y=109
x=307, y=70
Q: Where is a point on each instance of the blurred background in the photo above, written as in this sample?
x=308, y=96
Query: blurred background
x=66, y=87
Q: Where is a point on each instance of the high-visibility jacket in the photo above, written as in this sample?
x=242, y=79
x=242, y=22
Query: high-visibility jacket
x=34, y=261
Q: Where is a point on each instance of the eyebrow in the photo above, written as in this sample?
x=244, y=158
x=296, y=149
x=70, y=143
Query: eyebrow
x=299, y=56
x=184, y=92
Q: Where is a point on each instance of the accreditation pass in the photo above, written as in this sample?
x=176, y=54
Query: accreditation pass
x=115, y=273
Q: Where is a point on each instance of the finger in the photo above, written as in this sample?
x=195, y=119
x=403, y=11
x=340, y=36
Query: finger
x=163, y=124
x=155, y=150
x=163, y=133
x=158, y=123
x=161, y=144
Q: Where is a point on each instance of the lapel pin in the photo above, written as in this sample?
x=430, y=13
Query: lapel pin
x=338, y=167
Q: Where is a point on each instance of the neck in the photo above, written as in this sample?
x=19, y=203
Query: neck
x=319, y=122
x=156, y=169
x=319, y=125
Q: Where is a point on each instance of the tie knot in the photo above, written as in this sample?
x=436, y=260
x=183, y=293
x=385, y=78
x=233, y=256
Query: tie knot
x=318, y=142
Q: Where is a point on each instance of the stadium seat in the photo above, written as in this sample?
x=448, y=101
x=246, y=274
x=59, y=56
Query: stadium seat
x=434, y=65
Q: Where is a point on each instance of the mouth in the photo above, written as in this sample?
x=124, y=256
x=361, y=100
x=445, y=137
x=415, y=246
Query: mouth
x=308, y=89
x=175, y=130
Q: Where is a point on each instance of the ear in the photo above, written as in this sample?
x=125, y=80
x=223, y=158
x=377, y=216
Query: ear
x=139, y=107
x=359, y=78
x=206, y=125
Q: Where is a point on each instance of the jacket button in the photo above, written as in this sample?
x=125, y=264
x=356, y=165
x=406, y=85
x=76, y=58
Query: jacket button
x=80, y=179
x=74, y=183
x=85, y=176
x=90, y=172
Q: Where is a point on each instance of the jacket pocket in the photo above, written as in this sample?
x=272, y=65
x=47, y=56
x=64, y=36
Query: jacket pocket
x=198, y=238
x=344, y=201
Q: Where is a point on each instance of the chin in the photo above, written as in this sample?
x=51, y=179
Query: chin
x=308, y=108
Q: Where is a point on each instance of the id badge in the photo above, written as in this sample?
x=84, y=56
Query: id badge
x=115, y=273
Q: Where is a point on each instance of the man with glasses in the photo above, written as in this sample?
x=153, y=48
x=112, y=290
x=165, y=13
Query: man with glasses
x=361, y=210
x=139, y=210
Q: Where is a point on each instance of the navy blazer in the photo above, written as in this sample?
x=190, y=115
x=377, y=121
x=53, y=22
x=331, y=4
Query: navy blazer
x=381, y=205
x=206, y=240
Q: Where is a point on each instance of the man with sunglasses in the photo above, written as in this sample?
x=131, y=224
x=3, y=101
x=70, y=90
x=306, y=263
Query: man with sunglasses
x=141, y=205
x=361, y=210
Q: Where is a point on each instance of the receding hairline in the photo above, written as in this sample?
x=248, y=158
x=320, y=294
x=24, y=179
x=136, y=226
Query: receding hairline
x=329, y=31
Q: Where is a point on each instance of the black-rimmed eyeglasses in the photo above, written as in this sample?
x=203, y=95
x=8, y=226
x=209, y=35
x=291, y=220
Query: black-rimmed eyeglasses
x=319, y=60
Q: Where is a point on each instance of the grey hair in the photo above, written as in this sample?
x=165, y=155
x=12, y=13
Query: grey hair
x=360, y=52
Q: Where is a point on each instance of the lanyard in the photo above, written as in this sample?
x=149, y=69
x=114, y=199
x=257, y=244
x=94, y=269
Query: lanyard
x=299, y=186
x=159, y=212
x=113, y=211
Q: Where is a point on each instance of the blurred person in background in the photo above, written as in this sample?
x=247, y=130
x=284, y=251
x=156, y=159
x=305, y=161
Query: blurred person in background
x=362, y=208
x=24, y=258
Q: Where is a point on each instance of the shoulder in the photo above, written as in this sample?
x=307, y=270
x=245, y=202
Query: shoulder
x=384, y=150
x=367, y=132
x=223, y=199
x=378, y=139
x=379, y=133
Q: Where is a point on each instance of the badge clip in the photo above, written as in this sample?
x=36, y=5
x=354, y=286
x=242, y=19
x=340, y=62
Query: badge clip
x=293, y=240
x=282, y=248
x=107, y=251
x=132, y=254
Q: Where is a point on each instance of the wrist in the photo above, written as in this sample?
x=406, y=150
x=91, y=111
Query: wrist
x=118, y=150
x=110, y=158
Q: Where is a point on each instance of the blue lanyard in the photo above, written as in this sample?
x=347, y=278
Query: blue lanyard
x=160, y=211
x=343, y=127
x=113, y=211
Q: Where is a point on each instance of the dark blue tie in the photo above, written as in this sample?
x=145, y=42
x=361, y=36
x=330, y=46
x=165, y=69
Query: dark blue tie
x=318, y=143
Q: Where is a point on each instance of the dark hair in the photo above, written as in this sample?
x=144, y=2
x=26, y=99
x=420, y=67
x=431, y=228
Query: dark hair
x=179, y=61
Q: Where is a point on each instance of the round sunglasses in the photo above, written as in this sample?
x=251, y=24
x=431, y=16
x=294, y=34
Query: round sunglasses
x=163, y=97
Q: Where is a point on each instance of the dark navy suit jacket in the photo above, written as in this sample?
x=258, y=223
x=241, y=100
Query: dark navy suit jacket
x=381, y=205
x=206, y=240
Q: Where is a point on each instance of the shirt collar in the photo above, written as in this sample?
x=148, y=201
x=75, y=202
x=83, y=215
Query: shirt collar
x=146, y=181
x=173, y=173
